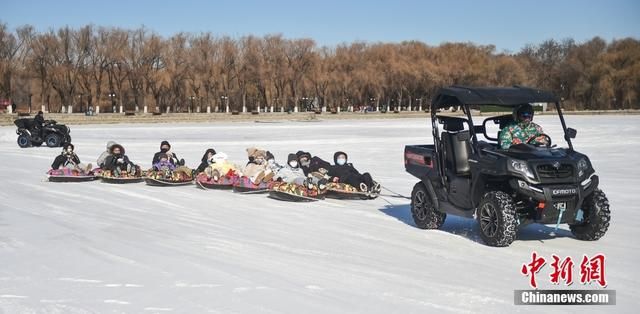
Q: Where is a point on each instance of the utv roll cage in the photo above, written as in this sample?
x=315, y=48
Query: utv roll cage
x=508, y=97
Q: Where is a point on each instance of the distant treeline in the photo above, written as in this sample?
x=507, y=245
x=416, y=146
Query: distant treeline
x=113, y=66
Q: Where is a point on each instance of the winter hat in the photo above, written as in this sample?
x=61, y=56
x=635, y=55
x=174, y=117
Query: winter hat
x=270, y=156
x=205, y=156
x=291, y=158
x=114, y=146
x=109, y=144
x=255, y=152
x=163, y=143
x=335, y=156
x=301, y=154
x=220, y=157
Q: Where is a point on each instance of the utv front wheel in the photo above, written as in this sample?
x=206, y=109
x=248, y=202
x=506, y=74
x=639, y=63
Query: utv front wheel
x=497, y=217
x=596, y=217
x=424, y=213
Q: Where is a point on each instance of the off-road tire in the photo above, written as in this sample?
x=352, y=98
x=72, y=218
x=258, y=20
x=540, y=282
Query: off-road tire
x=423, y=211
x=497, y=219
x=24, y=141
x=53, y=140
x=596, y=217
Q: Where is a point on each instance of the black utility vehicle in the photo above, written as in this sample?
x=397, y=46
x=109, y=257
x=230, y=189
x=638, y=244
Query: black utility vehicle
x=503, y=189
x=52, y=134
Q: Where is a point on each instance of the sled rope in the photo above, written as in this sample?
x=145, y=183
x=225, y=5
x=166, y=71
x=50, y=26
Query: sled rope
x=395, y=194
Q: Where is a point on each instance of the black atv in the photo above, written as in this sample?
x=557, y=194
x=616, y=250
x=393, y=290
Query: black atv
x=502, y=188
x=53, y=134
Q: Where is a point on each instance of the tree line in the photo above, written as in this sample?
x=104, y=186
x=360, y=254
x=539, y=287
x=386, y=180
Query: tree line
x=110, y=66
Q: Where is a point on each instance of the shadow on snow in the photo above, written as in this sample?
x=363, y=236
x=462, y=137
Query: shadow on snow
x=469, y=228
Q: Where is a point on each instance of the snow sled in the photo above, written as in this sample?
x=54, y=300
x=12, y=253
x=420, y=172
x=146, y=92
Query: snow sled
x=244, y=185
x=167, y=178
x=108, y=177
x=223, y=183
x=345, y=191
x=161, y=182
x=292, y=192
x=68, y=175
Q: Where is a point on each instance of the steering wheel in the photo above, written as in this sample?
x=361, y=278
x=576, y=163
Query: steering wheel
x=547, y=138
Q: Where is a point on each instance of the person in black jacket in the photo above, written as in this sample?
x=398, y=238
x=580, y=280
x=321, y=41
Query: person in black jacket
x=69, y=159
x=118, y=162
x=38, y=123
x=207, y=159
x=165, y=148
x=344, y=172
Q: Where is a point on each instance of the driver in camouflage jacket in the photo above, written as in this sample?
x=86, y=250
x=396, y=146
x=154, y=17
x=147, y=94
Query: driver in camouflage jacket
x=522, y=130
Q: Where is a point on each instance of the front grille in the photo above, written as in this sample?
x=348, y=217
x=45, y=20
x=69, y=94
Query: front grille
x=551, y=172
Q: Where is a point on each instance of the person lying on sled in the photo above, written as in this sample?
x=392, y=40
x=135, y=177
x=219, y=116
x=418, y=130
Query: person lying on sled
x=313, y=164
x=257, y=169
x=344, y=172
x=164, y=164
x=103, y=157
x=69, y=160
x=293, y=173
x=207, y=160
x=221, y=167
x=118, y=163
x=165, y=148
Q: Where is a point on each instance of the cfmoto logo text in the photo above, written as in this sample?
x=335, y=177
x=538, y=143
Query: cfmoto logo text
x=564, y=191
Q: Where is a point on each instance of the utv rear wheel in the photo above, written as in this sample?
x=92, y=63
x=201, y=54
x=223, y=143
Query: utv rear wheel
x=596, y=217
x=424, y=213
x=53, y=140
x=497, y=218
x=24, y=141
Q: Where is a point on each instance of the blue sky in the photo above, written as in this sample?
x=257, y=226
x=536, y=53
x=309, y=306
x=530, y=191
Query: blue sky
x=509, y=25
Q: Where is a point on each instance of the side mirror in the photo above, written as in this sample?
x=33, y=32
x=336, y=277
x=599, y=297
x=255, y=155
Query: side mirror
x=463, y=136
x=571, y=133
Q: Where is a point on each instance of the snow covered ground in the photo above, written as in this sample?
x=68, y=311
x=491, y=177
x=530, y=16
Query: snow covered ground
x=93, y=247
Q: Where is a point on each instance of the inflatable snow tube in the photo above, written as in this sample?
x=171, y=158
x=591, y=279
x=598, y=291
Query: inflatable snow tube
x=69, y=175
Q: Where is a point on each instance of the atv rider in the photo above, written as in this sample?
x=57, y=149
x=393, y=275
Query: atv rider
x=117, y=162
x=344, y=172
x=165, y=148
x=523, y=130
x=105, y=154
x=69, y=160
x=207, y=160
x=38, y=123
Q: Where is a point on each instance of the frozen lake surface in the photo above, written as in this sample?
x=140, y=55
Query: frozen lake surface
x=99, y=248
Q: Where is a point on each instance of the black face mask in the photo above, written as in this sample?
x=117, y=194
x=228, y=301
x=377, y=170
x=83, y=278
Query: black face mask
x=164, y=150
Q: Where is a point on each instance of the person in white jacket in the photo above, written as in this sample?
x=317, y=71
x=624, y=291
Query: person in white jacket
x=105, y=154
x=291, y=172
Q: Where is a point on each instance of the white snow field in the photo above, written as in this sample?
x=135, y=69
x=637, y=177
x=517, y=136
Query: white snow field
x=99, y=248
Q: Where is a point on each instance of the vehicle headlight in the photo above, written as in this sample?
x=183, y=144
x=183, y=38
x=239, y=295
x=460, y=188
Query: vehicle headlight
x=521, y=167
x=583, y=165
